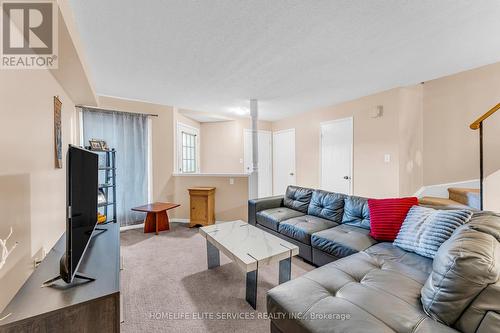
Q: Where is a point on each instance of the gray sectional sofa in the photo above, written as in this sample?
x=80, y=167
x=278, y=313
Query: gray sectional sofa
x=325, y=226
x=369, y=286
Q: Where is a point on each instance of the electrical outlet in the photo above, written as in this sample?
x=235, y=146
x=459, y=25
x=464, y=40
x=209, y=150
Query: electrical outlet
x=387, y=158
x=231, y=181
x=38, y=261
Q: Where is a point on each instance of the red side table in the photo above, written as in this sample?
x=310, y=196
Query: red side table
x=156, y=217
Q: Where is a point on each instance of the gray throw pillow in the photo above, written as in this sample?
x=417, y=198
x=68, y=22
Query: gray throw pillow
x=425, y=229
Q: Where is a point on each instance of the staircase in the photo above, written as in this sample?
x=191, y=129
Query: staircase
x=457, y=198
x=478, y=124
x=466, y=197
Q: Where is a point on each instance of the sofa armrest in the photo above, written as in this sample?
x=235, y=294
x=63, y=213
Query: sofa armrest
x=256, y=205
x=483, y=314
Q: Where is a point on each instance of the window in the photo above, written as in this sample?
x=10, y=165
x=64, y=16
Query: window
x=188, y=152
x=187, y=149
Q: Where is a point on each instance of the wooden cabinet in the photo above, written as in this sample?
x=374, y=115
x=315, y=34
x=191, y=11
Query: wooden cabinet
x=202, y=206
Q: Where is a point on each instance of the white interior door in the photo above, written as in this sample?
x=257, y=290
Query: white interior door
x=336, y=156
x=265, y=181
x=283, y=160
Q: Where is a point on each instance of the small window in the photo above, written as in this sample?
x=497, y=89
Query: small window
x=187, y=149
x=188, y=152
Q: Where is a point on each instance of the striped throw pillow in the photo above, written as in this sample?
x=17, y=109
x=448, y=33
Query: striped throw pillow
x=425, y=229
x=387, y=216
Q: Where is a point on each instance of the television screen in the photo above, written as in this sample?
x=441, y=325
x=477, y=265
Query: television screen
x=82, y=184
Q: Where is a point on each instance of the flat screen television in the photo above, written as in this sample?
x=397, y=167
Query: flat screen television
x=81, y=213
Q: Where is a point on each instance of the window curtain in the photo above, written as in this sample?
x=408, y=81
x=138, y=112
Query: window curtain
x=127, y=133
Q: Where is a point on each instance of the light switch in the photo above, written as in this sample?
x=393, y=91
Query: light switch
x=387, y=158
x=231, y=181
x=241, y=161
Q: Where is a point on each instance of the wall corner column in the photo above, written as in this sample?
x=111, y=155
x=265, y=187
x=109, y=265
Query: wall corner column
x=253, y=186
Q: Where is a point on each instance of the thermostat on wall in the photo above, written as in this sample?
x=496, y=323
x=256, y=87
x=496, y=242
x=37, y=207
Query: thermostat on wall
x=377, y=112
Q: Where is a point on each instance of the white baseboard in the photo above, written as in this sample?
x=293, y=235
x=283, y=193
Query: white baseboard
x=141, y=225
x=133, y=226
x=180, y=220
x=441, y=190
x=187, y=221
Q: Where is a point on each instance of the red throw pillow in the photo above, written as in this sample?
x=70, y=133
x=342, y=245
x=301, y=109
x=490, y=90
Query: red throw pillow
x=387, y=216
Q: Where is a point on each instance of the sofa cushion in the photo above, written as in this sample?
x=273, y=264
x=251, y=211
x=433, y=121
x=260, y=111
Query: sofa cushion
x=327, y=205
x=342, y=241
x=410, y=264
x=301, y=228
x=370, y=290
x=425, y=229
x=271, y=218
x=298, y=198
x=463, y=267
x=387, y=216
x=356, y=212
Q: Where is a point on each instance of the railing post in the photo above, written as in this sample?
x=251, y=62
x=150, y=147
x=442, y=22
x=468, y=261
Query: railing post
x=481, y=165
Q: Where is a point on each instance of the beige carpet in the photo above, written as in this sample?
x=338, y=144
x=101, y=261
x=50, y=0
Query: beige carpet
x=166, y=286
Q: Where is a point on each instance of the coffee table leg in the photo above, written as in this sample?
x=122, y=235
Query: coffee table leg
x=213, y=257
x=285, y=270
x=251, y=292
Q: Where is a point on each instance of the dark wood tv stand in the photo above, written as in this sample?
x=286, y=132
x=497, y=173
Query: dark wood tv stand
x=83, y=306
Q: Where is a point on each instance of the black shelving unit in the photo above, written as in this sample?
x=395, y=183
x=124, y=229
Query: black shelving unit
x=107, y=172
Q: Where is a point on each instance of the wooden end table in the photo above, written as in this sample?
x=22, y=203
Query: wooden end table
x=156, y=217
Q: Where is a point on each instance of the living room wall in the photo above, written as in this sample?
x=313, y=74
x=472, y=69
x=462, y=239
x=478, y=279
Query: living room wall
x=33, y=196
x=230, y=199
x=373, y=137
x=162, y=140
x=222, y=145
x=167, y=186
x=411, y=144
x=425, y=128
x=451, y=104
x=451, y=148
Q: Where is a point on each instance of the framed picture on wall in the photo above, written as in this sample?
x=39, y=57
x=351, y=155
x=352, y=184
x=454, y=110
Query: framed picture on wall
x=58, y=132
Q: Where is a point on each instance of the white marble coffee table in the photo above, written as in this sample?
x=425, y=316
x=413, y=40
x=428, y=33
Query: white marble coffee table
x=249, y=247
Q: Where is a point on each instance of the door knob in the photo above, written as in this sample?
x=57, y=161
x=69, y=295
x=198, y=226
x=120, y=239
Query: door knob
x=347, y=177
x=291, y=173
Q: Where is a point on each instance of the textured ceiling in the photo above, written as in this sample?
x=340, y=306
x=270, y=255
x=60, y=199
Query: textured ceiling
x=292, y=55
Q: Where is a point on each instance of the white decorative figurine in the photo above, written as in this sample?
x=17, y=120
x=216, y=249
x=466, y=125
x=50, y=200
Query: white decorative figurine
x=5, y=251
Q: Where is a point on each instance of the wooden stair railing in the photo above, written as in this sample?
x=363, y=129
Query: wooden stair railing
x=478, y=124
x=475, y=125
